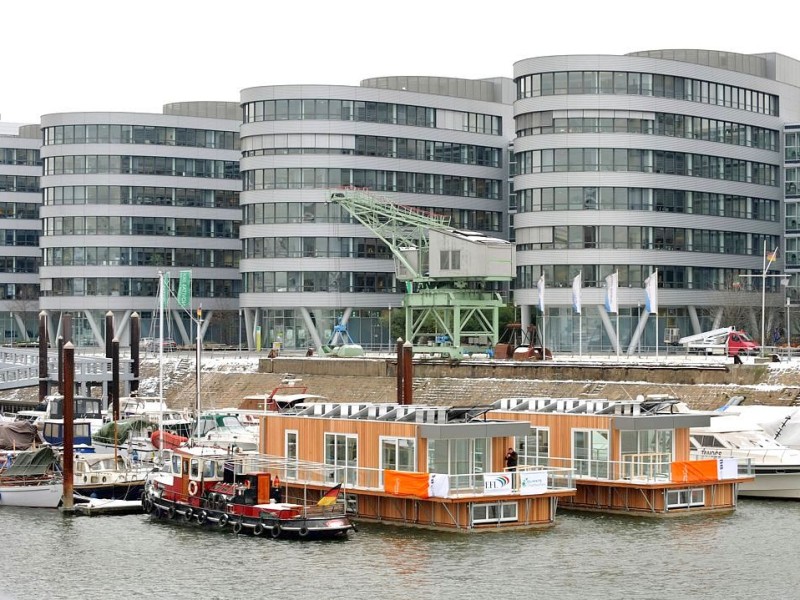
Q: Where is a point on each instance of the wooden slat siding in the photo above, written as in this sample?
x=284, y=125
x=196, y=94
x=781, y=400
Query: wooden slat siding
x=311, y=437
x=560, y=425
x=532, y=511
x=634, y=498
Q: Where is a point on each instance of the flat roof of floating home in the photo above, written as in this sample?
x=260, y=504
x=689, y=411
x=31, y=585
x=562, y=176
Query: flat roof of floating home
x=642, y=413
x=436, y=422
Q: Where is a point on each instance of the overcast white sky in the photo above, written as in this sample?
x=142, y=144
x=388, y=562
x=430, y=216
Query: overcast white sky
x=108, y=55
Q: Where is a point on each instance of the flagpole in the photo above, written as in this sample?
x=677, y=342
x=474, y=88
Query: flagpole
x=656, y=290
x=616, y=280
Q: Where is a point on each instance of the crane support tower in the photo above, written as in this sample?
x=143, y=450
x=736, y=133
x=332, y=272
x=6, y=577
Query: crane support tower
x=448, y=273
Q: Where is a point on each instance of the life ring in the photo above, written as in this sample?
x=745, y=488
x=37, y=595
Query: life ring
x=193, y=487
x=303, y=532
x=275, y=531
x=171, y=512
x=223, y=520
x=201, y=518
x=258, y=529
x=237, y=526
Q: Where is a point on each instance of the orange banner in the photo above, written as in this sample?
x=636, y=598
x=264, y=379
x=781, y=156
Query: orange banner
x=694, y=470
x=399, y=483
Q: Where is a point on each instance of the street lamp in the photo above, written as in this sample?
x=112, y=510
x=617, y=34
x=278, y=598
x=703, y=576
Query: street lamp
x=764, y=276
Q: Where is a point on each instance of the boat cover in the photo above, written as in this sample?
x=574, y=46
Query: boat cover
x=33, y=462
x=18, y=435
x=105, y=434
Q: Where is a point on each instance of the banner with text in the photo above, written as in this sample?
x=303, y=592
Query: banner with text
x=532, y=482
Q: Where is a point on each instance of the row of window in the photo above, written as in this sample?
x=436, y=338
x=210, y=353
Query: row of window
x=647, y=199
x=19, y=237
x=370, y=112
x=623, y=237
x=19, y=183
x=268, y=282
x=577, y=160
x=666, y=124
x=25, y=292
x=140, y=134
x=19, y=264
x=148, y=287
x=465, y=154
x=792, y=147
x=141, y=195
x=82, y=225
x=646, y=84
x=315, y=247
x=792, y=182
x=320, y=212
x=669, y=276
x=449, y=152
x=20, y=156
x=141, y=165
x=382, y=181
x=19, y=210
x=157, y=257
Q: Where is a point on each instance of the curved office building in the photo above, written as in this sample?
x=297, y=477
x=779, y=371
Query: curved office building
x=20, y=168
x=432, y=143
x=128, y=196
x=665, y=161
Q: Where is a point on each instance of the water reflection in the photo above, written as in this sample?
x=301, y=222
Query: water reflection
x=744, y=555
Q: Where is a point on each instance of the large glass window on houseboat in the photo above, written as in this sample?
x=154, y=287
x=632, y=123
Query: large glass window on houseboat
x=464, y=460
x=646, y=453
x=291, y=455
x=534, y=449
x=341, y=451
x=590, y=452
x=398, y=454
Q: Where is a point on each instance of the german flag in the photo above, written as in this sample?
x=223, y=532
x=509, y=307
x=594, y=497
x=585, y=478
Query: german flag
x=330, y=496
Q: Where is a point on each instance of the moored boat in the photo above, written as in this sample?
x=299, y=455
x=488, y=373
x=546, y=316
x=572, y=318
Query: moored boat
x=31, y=479
x=213, y=487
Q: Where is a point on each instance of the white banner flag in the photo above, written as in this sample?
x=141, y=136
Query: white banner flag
x=651, y=293
x=540, y=287
x=612, y=282
x=439, y=486
x=498, y=483
x=532, y=482
x=576, y=293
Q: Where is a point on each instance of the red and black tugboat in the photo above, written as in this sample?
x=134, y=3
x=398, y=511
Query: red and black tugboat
x=240, y=491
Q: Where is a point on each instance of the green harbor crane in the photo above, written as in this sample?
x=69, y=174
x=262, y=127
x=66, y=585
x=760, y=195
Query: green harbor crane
x=445, y=270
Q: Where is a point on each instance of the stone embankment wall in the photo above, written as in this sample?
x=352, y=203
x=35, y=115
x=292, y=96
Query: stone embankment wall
x=472, y=384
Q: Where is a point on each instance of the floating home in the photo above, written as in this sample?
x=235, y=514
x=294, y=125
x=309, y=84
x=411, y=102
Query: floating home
x=627, y=456
x=422, y=466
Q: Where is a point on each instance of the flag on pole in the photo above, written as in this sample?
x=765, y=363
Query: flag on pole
x=330, y=496
x=651, y=293
x=612, y=282
x=576, y=293
x=185, y=289
x=540, y=287
x=165, y=290
x=772, y=256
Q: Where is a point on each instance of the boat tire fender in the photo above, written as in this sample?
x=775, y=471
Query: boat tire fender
x=303, y=532
x=147, y=506
x=105, y=478
x=187, y=516
x=275, y=531
x=237, y=526
x=258, y=529
x=223, y=520
x=171, y=512
x=201, y=518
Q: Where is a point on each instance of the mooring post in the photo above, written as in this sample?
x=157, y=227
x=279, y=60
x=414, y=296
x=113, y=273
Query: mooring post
x=135, y=366
x=43, y=384
x=69, y=414
x=408, y=374
x=399, y=351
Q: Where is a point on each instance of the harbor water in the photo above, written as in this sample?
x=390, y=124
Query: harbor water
x=751, y=553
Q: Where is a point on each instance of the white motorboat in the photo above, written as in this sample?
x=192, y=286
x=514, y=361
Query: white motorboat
x=32, y=479
x=224, y=431
x=776, y=467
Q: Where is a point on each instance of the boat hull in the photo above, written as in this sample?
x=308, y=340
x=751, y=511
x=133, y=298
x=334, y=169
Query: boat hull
x=330, y=526
x=113, y=491
x=773, y=485
x=40, y=495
